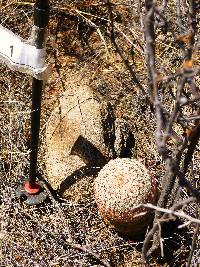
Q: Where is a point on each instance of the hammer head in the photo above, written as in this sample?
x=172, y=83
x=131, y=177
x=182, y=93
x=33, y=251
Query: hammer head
x=88, y=152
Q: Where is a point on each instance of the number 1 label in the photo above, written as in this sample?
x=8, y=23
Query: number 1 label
x=11, y=47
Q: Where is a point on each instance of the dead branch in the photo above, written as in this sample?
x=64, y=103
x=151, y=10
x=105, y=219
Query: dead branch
x=172, y=212
x=146, y=252
x=166, y=120
x=194, y=245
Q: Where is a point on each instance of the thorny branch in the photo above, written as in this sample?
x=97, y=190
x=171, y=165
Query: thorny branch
x=172, y=211
x=178, y=158
x=194, y=244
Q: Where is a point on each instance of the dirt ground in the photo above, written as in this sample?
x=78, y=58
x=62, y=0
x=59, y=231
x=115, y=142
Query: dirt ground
x=68, y=230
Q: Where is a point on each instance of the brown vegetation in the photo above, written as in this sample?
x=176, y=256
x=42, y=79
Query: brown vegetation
x=141, y=59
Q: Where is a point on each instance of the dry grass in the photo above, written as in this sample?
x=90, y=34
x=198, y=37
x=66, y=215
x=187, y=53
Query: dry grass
x=70, y=232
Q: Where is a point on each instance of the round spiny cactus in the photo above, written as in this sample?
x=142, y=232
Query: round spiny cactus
x=120, y=187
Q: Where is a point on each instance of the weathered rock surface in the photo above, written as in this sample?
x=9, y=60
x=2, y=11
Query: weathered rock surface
x=76, y=119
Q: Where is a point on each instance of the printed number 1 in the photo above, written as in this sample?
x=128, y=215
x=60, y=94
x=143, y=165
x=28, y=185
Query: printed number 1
x=11, y=47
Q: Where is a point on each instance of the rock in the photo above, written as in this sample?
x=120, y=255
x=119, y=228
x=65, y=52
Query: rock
x=82, y=131
x=75, y=120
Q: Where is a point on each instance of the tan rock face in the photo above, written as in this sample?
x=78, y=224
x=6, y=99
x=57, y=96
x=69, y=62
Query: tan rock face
x=121, y=185
x=78, y=114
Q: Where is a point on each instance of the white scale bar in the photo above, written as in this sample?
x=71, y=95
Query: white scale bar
x=20, y=55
